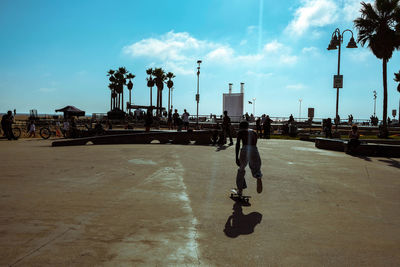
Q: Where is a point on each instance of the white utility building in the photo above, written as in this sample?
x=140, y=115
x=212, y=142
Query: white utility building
x=233, y=103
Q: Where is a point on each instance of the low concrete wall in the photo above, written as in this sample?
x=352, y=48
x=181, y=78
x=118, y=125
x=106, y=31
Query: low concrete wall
x=199, y=137
x=364, y=149
x=330, y=144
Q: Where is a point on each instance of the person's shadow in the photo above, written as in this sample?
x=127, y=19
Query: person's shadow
x=239, y=223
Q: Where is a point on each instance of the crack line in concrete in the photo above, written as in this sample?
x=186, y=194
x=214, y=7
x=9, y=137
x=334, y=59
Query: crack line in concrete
x=42, y=246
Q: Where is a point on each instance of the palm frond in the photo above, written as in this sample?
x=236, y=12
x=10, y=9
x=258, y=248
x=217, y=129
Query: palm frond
x=397, y=77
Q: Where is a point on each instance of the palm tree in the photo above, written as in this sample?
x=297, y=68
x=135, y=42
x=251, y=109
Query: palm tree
x=170, y=84
x=130, y=76
x=150, y=84
x=377, y=28
x=121, y=80
x=159, y=78
x=111, y=86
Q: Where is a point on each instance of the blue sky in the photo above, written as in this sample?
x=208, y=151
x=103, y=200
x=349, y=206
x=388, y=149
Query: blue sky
x=57, y=53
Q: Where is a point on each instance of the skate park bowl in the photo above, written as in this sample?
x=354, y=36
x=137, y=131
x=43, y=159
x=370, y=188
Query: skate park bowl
x=374, y=148
x=162, y=137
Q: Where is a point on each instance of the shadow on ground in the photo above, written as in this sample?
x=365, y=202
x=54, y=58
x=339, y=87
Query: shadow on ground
x=241, y=224
x=391, y=162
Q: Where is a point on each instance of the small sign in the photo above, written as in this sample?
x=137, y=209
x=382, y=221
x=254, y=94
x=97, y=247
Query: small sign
x=197, y=97
x=311, y=112
x=394, y=112
x=337, y=81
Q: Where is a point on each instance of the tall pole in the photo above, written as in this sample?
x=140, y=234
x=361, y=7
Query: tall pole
x=172, y=105
x=374, y=103
x=254, y=107
x=300, y=108
x=337, y=89
x=198, y=95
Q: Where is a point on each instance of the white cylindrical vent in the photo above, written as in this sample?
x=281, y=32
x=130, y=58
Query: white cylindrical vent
x=230, y=88
x=242, y=88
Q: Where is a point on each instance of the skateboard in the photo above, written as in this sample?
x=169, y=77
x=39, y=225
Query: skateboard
x=237, y=197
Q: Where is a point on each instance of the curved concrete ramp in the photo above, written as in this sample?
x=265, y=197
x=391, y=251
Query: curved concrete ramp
x=199, y=137
x=364, y=149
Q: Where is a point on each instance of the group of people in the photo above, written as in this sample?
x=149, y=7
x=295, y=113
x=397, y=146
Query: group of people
x=176, y=121
x=264, y=123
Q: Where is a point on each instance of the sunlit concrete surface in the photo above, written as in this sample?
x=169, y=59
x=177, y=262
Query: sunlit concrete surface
x=169, y=205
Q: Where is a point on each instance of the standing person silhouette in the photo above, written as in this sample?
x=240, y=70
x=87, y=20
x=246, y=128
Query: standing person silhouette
x=248, y=155
x=185, y=119
x=175, y=118
x=267, y=127
x=226, y=127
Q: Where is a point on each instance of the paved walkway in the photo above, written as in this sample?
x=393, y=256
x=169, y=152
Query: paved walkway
x=168, y=205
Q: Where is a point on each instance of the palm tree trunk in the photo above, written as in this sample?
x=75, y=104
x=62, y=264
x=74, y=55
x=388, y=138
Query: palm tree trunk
x=111, y=101
x=122, y=98
x=384, y=66
x=169, y=96
x=158, y=100
x=151, y=96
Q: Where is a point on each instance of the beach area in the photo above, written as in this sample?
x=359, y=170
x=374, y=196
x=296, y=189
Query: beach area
x=169, y=205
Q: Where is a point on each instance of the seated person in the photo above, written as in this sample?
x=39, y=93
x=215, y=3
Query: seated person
x=354, y=135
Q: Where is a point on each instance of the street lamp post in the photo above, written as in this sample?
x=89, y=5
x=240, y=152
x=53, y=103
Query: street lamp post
x=198, y=95
x=374, y=103
x=172, y=105
x=336, y=43
x=300, y=108
x=254, y=106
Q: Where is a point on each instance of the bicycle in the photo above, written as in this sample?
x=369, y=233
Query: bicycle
x=16, y=131
x=45, y=132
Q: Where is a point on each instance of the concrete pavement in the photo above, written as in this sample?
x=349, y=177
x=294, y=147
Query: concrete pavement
x=169, y=205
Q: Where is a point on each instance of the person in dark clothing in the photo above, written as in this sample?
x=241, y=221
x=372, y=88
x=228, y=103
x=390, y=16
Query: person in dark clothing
x=148, y=120
x=6, y=123
x=353, y=143
x=267, y=127
x=258, y=126
x=169, y=120
x=226, y=127
x=175, y=118
x=248, y=154
x=328, y=128
x=217, y=135
x=291, y=119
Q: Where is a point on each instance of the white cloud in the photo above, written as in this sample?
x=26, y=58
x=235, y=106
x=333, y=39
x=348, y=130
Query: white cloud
x=295, y=87
x=224, y=54
x=360, y=54
x=179, y=50
x=310, y=50
x=313, y=14
x=351, y=9
x=170, y=46
x=273, y=47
